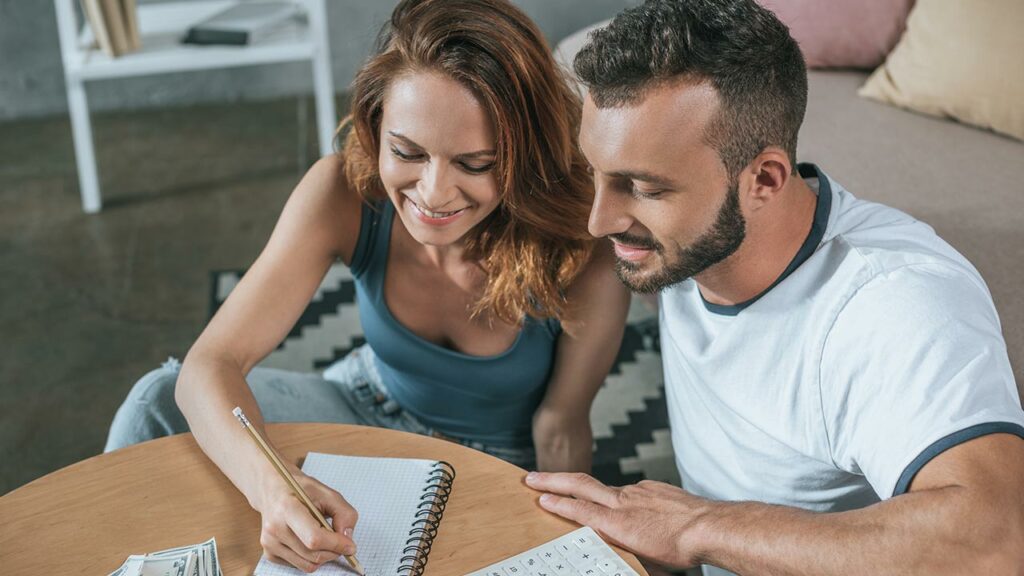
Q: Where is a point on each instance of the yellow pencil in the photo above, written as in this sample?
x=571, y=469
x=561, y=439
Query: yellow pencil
x=299, y=492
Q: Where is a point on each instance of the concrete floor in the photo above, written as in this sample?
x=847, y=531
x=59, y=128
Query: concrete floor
x=89, y=303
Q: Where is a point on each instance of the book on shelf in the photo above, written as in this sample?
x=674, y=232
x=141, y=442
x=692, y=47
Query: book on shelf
x=94, y=16
x=114, y=19
x=131, y=21
x=114, y=25
x=244, y=23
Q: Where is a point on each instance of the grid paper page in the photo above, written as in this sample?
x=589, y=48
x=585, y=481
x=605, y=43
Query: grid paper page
x=385, y=492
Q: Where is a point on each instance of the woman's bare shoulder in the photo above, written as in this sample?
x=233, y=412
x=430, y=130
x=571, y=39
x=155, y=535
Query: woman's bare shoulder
x=327, y=205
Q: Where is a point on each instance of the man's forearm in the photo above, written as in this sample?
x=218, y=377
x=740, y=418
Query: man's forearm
x=929, y=532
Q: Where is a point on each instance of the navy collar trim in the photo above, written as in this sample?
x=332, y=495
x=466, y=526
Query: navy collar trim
x=821, y=213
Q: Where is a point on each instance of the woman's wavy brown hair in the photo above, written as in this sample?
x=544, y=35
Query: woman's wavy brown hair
x=536, y=242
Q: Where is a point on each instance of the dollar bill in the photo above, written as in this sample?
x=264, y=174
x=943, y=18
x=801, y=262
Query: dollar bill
x=181, y=565
x=193, y=560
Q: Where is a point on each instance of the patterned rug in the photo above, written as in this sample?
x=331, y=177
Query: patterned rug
x=629, y=416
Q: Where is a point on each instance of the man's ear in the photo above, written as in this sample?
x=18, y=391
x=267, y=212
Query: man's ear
x=766, y=176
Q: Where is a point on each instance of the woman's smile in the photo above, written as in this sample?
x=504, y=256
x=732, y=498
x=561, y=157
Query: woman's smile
x=434, y=218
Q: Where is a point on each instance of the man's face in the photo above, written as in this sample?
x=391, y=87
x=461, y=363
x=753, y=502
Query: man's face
x=662, y=193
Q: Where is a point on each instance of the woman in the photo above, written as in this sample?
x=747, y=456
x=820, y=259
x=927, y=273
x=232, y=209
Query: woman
x=460, y=202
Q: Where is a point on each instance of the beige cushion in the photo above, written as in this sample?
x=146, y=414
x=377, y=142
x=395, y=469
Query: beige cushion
x=959, y=59
x=962, y=181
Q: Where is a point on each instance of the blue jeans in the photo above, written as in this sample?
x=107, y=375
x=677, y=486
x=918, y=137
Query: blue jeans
x=350, y=391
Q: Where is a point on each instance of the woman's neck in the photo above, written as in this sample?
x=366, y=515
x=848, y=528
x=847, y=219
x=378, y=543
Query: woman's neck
x=450, y=258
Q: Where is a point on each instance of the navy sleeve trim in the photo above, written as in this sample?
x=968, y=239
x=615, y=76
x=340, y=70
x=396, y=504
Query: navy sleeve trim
x=954, y=439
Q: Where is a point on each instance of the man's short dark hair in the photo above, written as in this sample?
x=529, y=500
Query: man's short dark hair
x=744, y=52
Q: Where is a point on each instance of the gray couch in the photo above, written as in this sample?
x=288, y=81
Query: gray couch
x=967, y=183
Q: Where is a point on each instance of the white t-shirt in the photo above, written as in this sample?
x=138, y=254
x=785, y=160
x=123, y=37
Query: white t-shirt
x=878, y=349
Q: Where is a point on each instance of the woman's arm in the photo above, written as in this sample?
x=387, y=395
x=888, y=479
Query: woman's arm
x=586, y=350
x=320, y=223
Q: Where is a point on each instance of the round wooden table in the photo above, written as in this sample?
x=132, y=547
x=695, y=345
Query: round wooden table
x=87, y=518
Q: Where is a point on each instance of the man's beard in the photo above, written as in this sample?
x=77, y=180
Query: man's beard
x=715, y=245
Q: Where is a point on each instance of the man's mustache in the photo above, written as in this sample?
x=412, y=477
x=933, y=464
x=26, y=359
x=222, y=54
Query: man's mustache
x=645, y=243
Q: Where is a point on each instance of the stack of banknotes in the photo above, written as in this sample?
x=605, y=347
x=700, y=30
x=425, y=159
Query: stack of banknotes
x=194, y=560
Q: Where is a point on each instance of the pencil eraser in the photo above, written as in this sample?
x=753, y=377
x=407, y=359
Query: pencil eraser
x=240, y=416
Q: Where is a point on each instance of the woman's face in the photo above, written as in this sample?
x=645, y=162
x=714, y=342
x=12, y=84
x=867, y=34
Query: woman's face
x=437, y=154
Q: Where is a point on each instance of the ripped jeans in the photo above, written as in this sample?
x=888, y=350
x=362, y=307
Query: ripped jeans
x=350, y=391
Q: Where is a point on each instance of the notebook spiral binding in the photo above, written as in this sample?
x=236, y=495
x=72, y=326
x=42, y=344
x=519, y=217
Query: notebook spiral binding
x=429, y=512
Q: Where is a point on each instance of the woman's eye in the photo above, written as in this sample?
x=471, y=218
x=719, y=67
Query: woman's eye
x=405, y=156
x=477, y=169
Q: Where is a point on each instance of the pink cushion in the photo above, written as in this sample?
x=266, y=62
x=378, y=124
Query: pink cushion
x=843, y=33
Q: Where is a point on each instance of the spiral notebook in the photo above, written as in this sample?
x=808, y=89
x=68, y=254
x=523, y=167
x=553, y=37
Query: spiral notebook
x=400, y=503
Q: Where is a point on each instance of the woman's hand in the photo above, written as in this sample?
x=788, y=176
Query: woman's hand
x=563, y=440
x=291, y=535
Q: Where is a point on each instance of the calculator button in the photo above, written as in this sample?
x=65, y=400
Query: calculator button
x=621, y=570
x=549, y=555
x=532, y=563
x=582, y=541
x=560, y=567
x=581, y=558
x=513, y=570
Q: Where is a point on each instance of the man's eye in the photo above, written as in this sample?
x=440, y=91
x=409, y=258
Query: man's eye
x=648, y=194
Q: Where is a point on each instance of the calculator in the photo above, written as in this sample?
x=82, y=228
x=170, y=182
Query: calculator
x=578, y=553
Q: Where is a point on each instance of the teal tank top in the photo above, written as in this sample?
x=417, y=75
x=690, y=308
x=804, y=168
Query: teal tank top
x=488, y=399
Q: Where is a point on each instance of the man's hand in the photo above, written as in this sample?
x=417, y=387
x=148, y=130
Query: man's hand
x=654, y=520
x=978, y=484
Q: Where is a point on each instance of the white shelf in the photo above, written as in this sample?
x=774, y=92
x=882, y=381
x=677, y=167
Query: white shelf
x=161, y=28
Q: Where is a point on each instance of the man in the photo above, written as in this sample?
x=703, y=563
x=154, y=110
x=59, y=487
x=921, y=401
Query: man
x=839, y=391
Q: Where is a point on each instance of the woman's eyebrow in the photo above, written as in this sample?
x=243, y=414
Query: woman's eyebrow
x=465, y=156
x=404, y=138
x=477, y=154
